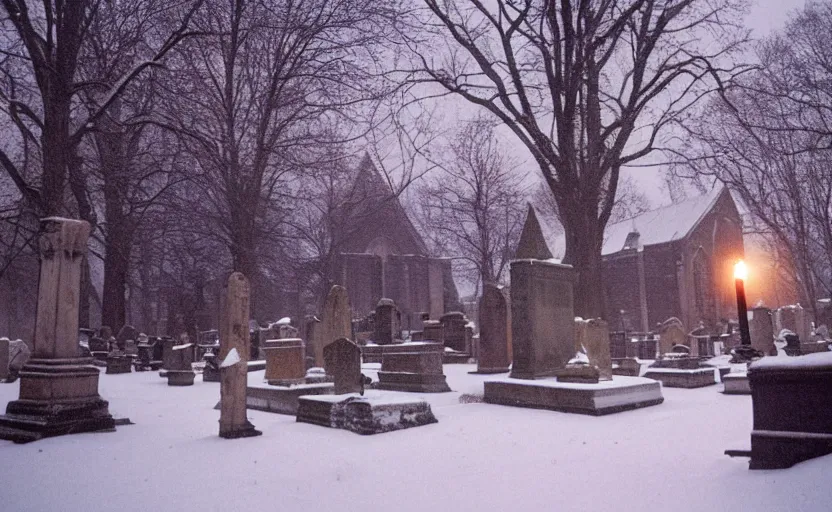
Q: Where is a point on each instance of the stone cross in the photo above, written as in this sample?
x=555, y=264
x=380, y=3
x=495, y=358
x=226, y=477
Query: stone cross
x=58, y=389
x=495, y=330
x=336, y=321
x=234, y=337
x=342, y=360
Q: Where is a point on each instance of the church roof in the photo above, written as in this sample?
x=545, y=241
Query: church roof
x=659, y=226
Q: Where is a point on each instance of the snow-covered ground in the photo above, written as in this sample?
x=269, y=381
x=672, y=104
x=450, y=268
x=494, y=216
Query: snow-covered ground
x=479, y=457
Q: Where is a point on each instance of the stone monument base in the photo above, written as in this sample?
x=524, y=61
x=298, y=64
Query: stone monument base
x=211, y=375
x=122, y=364
x=181, y=377
x=736, y=383
x=412, y=382
x=57, y=397
x=606, y=397
x=792, y=417
x=247, y=431
x=681, y=378
x=490, y=371
x=283, y=400
x=374, y=413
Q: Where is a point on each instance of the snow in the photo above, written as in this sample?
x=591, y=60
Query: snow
x=618, y=381
x=809, y=361
x=284, y=321
x=479, y=457
x=231, y=359
x=657, y=226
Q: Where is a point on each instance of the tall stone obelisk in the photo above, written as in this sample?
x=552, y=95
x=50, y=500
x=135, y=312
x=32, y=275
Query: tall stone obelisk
x=58, y=388
x=234, y=337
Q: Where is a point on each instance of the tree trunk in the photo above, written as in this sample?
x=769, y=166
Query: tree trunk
x=584, y=238
x=116, y=266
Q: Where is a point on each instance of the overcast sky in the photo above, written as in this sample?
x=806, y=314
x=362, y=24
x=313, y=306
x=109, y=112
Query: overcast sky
x=765, y=16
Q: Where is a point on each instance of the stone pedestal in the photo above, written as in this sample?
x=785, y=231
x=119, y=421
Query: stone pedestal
x=119, y=364
x=283, y=399
x=181, y=377
x=233, y=360
x=605, y=397
x=792, y=417
x=543, y=319
x=414, y=367
x=58, y=390
x=736, y=383
x=4, y=359
x=682, y=378
x=285, y=364
x=495, y=331
x=375, y=413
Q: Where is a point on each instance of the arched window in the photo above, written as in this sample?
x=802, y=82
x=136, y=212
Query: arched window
x=703, y=288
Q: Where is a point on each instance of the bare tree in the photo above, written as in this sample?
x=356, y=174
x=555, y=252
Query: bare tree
x=587, y=86
x=473, y=208
x=768, y=138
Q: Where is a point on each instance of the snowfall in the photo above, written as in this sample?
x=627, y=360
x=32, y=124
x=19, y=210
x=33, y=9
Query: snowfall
x=479, y=457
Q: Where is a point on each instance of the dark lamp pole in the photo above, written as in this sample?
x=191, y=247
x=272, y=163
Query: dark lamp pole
x=740, y=274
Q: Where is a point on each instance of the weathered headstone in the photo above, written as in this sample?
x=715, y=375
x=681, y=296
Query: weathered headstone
x=234, y=338
x=311, y=325
x=415, y=367
x=127, y=334
x=336, y=321
x=593, y=336
x=181, y=372
x=761, y=329
x=671, y=333
x=386, y=327
x=433, y=330
x=342, y=359
x=4, y=358
x=58, y=389
x=495, y=330
x=543, y=318
x=795, y=319
x=456, y=336
x=285, y=362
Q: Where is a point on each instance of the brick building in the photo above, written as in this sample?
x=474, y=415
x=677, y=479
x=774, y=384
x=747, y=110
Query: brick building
x=673, y=261
x=383, y=255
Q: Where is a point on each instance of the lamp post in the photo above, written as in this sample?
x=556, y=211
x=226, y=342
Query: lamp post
x=740, y=275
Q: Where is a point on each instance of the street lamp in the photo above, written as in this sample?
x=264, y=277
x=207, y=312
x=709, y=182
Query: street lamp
x=740, y=275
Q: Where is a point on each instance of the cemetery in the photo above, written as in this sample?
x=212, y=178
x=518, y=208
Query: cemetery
x=415, y=256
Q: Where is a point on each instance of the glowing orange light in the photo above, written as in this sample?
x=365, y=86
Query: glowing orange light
x=740, y=271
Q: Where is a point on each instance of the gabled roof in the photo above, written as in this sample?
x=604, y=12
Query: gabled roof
x=659, y=226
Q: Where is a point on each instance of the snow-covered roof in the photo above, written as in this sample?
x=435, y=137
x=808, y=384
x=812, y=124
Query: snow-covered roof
x=662, y=225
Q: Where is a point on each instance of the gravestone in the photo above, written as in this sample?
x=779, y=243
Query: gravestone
x=58, y=389
x=126, y=340
x=336, y=321
x=671, y=333
x=234, y=338
x=593, y=336
x=795, y=319
x=385, y=323
x=4, y=359
x=456, y=336
x=342, y=360
x=495, y=330
x=543, y=318
x=311, y=325
x=181, y=372
x=761, y=329
x=285, y=362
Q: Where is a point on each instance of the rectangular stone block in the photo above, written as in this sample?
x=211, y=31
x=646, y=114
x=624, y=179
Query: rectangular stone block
x=374, y=414
x=285, y=363
x=283, y=400
x=543, y=330
x=606, y=397
x=680, y=378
